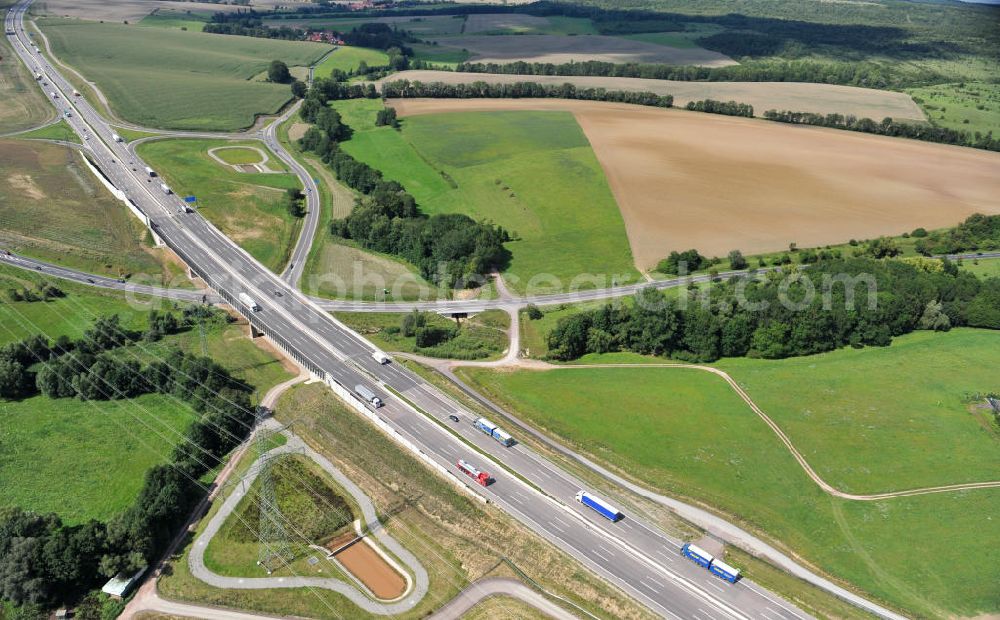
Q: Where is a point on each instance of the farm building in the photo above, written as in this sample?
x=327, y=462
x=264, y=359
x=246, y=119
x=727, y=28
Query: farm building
x=119, y=586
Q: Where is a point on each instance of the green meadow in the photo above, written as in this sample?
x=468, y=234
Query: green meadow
x=533, y=173
x=687, y=433
x=346, y=58
x=248, y=207
x=84, y=460
x=966, y=106
x=107, y=445
x=169, y=78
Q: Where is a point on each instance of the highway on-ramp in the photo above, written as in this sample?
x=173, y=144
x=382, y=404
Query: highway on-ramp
x=632, y=554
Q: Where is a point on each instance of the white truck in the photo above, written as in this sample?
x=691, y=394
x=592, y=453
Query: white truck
x=165, y=188
x=368, y=396
x=248, y=301
x=150, y=171
x=116, y=138
x=381, y=357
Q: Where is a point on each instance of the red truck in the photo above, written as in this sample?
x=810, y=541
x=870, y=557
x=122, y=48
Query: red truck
x=473, y=472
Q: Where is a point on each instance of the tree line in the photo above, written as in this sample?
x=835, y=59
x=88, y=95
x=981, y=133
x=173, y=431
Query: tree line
x=518, y=90
x=451, y=250
x=249, y=24
x=44, y=561
x=888, y=127
x=865, y=74
x=910, y=295
x=978, y=232
x=729, y=108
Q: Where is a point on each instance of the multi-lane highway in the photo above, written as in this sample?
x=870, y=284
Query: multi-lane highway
x=632, y=554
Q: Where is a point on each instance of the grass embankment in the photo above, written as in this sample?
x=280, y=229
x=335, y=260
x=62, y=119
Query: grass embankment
x=873, y=420
x=248, y=207
x=347, y=58
x=983, y=268
x=54, y=209
x=905, y=242
x=165, y=77
x=456, y=539
x=314, y=507
x=107, y=445
x=483, y=336
x=70, y=315
x=967, y=106
x=22, y=104
x=59, y=130
x=238, y=155
x=533, y=173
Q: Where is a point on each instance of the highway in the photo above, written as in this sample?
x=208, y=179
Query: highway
x=631, y=554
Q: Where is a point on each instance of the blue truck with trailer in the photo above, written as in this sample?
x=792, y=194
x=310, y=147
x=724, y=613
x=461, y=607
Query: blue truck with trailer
x=705, y=559
x=605, y=509
x=725, y=571
x=494, y=431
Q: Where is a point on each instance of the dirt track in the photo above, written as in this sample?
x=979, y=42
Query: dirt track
x=716, y=183
x=763, y=96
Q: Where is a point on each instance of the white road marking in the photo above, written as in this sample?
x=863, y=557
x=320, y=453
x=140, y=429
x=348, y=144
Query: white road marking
x=651, y=584
x=606, y=558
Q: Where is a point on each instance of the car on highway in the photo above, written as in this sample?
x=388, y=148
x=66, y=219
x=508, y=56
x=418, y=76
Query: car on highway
x=278, y=294
x=453, y=418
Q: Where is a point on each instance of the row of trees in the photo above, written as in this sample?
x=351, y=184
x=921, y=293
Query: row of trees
x=888, y=127
x=44, y=561
x=866, y=74
x=249, y=24
x=729, y=108
x=450, y=250
x=405, y=88
x=747, y=317
x=380, y=36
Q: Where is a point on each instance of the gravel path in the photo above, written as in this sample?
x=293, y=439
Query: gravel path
x=196, y=558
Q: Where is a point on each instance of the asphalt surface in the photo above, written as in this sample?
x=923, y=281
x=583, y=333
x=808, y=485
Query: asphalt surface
x=631, y=553
x=196, y=557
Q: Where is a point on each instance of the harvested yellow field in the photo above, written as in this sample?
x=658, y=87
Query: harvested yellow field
x=121, y=10
x=557, y=49
x=716, y=183
x=763, y=96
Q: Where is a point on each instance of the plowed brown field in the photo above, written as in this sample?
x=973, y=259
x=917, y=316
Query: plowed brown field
x=716, y=183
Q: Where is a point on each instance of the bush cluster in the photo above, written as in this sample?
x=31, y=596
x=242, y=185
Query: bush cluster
x=718, y=325
x=44, y=561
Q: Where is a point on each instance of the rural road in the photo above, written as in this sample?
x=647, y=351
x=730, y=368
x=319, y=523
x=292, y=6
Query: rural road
x=633, y=554
x=498, y=586
x=294, y=445
x=444, y=306
x=146, y=597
